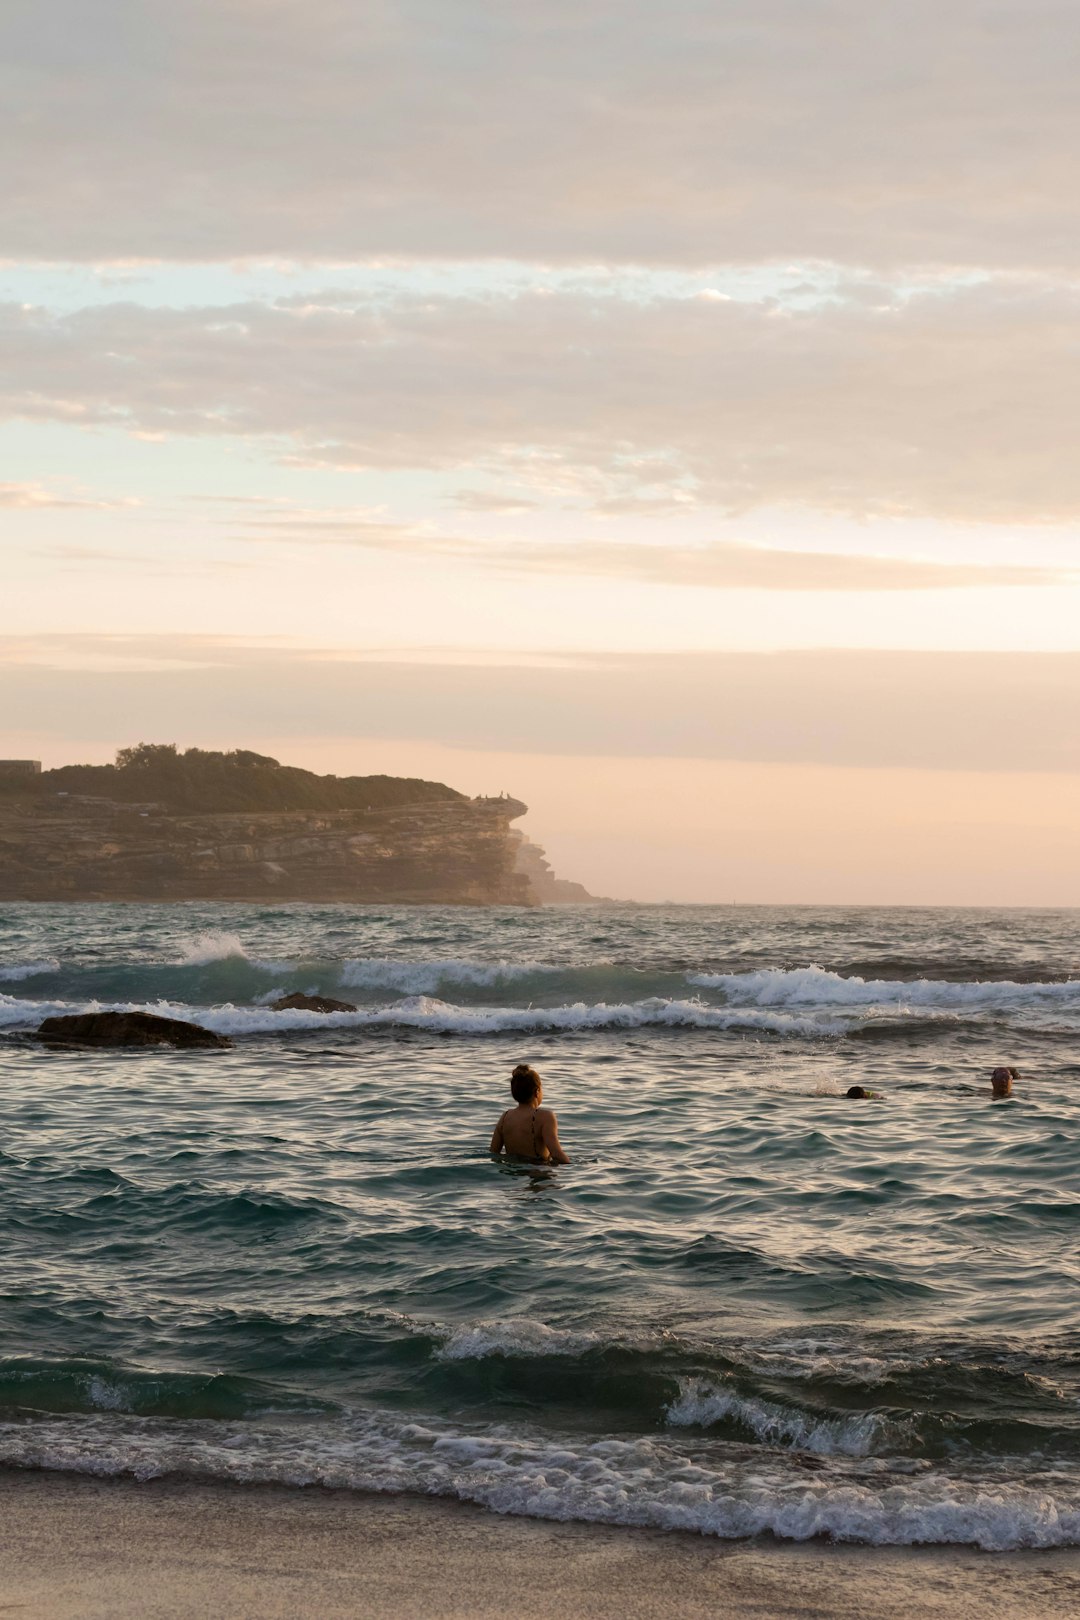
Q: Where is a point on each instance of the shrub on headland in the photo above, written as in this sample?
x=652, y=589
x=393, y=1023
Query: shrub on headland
x=204, y=780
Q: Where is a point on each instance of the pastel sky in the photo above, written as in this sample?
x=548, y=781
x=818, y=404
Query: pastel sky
x=668, y=414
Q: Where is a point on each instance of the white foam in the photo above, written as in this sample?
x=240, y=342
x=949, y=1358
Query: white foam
x=814, y=986
x=425, y=978
x=518, y=1336
x=426, y=1013
x=221, y=947
x=701, y=1403
x=20, y=1014
x=211, y=947
x=108, y=1396
x=647, y=1481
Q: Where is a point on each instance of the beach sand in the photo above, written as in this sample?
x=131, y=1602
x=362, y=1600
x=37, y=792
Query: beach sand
x=73, y=1548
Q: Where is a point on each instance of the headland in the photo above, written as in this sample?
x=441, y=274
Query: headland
x=201, y=825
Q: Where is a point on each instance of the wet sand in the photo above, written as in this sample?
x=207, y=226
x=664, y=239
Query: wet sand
x=83, y=1549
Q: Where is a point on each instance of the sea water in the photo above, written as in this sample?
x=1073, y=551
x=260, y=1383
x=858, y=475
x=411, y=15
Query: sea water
x=747, y=1304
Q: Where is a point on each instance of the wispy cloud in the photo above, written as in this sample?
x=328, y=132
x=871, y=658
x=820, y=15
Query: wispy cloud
x=724, y=565
x=954, y=403
x=478, y=500
x=940, y=711
x=36, y=497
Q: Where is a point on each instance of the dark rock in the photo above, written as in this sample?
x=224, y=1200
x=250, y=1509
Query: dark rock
x=127, y=1029
x=324, y=1004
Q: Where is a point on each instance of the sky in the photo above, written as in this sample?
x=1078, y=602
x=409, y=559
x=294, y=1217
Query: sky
x=668, y=415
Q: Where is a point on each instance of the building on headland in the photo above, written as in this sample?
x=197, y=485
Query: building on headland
x=20, y=767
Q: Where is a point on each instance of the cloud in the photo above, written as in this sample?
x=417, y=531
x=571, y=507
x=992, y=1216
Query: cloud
x=940, y=711
x=54, y=649
x=730, y=566
x=724, y=565
x=592, y=130
x=479, y=500
x=957, y=402
x=86, y=554
x=35, y=497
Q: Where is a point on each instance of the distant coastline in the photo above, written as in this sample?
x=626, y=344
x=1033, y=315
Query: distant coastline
x=161, y=825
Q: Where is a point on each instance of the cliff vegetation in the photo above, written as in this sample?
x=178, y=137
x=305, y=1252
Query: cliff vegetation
x=208, y=782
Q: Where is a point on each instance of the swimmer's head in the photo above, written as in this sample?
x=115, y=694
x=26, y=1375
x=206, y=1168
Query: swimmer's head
x=858, y=1091
x=525, y=1087
x=1001, y=1081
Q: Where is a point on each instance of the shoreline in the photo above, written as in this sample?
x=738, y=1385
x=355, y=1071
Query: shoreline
x=82, y=1548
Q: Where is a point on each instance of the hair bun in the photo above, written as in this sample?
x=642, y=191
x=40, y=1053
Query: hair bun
x=525, y=1084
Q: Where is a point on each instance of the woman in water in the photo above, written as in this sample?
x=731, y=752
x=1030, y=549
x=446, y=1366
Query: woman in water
x=1001, y=1081
x=528, y=1131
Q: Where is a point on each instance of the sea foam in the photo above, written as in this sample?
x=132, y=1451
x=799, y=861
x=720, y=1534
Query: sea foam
x=638, y=1481
x=425, y=978
x=222, y=947
x=440, y=1017
x=815, y=986
x=522, y=1336
x=702, y=1403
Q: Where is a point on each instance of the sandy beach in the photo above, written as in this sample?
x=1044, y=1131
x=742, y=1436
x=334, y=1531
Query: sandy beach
x=81, y=1549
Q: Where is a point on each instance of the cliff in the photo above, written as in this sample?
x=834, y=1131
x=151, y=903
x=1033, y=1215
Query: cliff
x=457, y=851
x=546, y=889
x=201, y=825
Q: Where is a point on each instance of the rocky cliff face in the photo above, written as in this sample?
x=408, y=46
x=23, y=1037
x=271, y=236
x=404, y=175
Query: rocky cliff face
x=70, y=847
x=545, y=887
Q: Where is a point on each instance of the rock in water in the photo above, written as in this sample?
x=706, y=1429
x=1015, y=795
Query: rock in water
x=127, y=1029
x=304, y=1003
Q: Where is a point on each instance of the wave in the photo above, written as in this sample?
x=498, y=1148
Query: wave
x=218, y=982
x=425, y=978
x=702, y=1404
x=221, y=947
x=439, y=1017
x=31, y=1385
x=211, y=947
x=636, y=1431
x=844, y=1397
x=518, y=1337
x=15, y=971
x=820, y=987
x=957, y=968
x=641, y=1481
x=800, y=1359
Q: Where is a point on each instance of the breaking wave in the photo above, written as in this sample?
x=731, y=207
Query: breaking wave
x=424, y=978
x=814, y=986
x=444, y=1018
x=640, y=1481
x=220, y=947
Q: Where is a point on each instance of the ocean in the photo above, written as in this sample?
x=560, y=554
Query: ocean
x=747, y=1305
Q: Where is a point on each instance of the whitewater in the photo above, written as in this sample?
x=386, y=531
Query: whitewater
x=748, y=1305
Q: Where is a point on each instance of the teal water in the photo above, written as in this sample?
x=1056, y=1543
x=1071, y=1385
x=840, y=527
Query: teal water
x=746, y=1305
